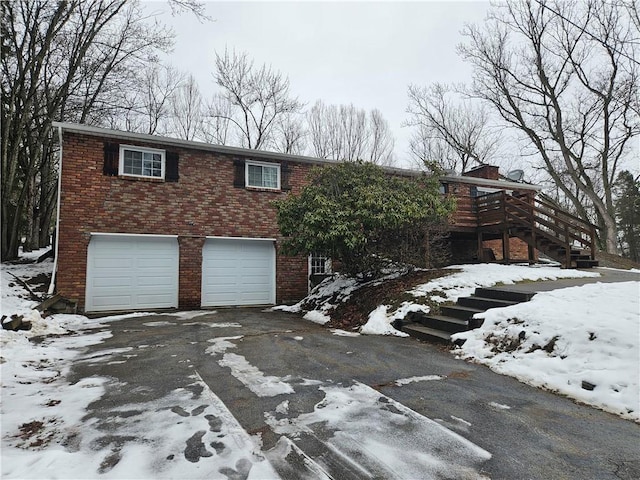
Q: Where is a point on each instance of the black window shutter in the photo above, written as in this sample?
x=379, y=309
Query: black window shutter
x=111, y=156
x=238, y=177
x=285, y=172
x=171, y=167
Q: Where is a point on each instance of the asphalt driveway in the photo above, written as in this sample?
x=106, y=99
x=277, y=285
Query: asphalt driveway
x=339, y=402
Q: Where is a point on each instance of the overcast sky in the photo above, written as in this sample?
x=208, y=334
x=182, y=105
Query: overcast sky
x=365, y=53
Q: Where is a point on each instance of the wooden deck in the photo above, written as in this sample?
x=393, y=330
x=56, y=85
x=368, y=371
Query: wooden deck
x=542, y=225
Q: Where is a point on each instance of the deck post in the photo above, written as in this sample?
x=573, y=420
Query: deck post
x=567, y=246
x=506, y=257
x=480, y=249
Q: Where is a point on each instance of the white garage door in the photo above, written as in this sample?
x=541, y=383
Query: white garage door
x=238, y=272
x=131, y=272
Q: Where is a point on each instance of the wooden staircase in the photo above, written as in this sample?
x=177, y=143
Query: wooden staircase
x=541, y=224
x=459, y=317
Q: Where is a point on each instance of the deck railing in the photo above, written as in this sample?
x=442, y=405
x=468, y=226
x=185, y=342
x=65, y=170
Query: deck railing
x=539, y=219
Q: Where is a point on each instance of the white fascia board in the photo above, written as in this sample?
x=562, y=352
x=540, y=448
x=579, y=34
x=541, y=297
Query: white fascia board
x=191, y=144
x=208, y=237
x=274, y=156
x=223, y=149
x=108, y=234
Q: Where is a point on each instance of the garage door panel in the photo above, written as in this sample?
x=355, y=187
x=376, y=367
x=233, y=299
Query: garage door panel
x=129, y=273
x=112, y=263
x=115, y=282
x=113, y=302
x=155, y=281
x=238, y=272
x=149, y=300
x=155, y=263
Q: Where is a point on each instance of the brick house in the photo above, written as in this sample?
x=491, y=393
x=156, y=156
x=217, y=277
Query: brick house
x=147, y=222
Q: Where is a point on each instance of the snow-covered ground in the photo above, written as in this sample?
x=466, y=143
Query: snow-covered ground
x=49, y=432
x=461, y=282
x=557, y=341
x=562, y=338
x=583, y=334
x=44, y=434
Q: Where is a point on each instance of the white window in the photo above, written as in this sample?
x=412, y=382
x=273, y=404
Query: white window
x=263, y=175
x=142, y=162
x=319, y=264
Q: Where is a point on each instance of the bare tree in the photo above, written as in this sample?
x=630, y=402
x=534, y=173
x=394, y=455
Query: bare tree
x=323, y=131
x=186, y=110
x=566, y=75
x=146, y=106
x=430, y=154
x=258, y=97
x=451, y=127
x=290, y=135
x=354, y=132
x=382, y=142
x=64, y=61
x=344, y=132
x=215, y=125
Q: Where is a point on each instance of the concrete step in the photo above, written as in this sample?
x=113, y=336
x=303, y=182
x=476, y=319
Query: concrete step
x=444, y=323
x=482, y=303
x=458, y=311
x=586, y=263
x=503, y=294
x=421, y=332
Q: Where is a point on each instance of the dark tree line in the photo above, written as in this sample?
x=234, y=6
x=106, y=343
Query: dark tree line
x=61, y=61
x=628, y=214
x=96, y=62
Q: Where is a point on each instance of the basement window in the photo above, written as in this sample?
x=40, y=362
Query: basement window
x=142, y=162
x=319, y=264
x=262, y=175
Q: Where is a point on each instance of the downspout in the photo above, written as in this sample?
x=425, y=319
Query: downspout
x=52, y=285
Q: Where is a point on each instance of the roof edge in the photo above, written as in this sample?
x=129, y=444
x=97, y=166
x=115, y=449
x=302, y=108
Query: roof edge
x=263, y=154
x=490, y=183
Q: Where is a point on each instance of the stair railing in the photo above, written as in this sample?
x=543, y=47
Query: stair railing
x=541, y=218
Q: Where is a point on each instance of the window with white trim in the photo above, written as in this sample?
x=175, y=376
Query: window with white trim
x=319, y=264
x=262, y=175
x=142, y=162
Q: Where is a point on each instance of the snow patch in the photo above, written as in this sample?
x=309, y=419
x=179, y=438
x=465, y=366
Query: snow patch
x=221, y=344
x=380, y=324
x=256, y=381
x=382, y=438
x=562, y=338
x=191, y=314
x=425, y=378
x=316, y=316
x=343, y=333
x=462, y=283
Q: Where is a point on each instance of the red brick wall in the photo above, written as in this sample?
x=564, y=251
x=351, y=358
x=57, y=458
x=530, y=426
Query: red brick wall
x=202, y=203
x=518, y=249
x=484, y=171
x=190, y=278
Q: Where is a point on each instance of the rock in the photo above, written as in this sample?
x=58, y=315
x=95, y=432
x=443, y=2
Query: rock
x=588, y=385
x=13, y=322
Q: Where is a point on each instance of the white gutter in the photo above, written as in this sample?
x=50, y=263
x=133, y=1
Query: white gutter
x=222, y=149
x=52, y=285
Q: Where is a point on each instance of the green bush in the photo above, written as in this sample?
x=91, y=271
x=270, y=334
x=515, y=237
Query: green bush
x=364, y=217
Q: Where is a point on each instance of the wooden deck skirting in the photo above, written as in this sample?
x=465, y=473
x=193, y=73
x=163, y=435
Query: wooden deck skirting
x=539, y=223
